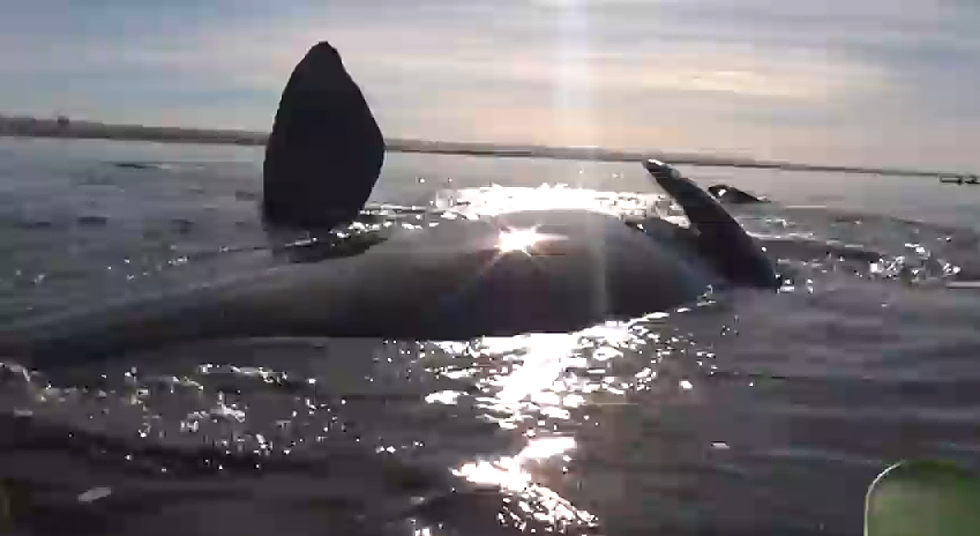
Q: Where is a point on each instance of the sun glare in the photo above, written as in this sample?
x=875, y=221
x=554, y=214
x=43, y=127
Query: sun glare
x=518, y=239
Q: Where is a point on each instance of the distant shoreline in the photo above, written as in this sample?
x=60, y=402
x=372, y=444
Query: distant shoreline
x=28, y=127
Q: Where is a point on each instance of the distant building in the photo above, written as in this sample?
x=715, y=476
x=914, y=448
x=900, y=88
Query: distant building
x=63, y=121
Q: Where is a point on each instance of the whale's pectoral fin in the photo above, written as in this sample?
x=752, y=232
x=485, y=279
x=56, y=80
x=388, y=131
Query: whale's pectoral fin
x=325, y=152
x=720, y=238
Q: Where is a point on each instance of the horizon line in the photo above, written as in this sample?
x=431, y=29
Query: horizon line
x=64, y=127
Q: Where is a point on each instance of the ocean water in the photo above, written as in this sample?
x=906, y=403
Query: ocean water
x=748, y=413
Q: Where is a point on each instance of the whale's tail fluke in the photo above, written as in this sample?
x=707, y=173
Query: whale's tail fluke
x=721, y=239
x=325, y=152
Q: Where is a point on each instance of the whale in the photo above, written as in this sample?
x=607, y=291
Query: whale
x=513, y=273
x=734, y=196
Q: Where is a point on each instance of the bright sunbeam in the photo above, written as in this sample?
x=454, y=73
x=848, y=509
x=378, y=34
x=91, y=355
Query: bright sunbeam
x=573, y=100
x=518, y=240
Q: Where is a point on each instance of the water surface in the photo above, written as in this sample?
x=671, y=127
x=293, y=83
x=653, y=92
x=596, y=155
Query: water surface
x=746, y=413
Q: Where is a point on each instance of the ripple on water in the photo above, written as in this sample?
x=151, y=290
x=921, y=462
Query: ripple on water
x=92, y=220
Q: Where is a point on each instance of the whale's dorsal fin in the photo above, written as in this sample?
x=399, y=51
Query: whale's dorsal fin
x=325, y=152
x=720, y=238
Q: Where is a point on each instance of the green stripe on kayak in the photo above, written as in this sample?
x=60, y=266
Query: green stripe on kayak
x=923, y=498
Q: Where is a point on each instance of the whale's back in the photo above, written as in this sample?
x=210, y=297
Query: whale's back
x=459, y=280
x=471, y=278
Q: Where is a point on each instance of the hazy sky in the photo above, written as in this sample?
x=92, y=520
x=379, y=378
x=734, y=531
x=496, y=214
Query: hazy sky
x=875, y=82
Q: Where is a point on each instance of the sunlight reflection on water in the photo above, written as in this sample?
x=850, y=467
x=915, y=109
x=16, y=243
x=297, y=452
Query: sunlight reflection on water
x=495, y=200
x=534, y=384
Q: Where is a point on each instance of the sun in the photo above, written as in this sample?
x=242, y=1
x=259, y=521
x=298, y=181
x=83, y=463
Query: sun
x=518, y=239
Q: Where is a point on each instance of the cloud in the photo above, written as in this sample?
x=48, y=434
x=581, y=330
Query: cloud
x=847, y=81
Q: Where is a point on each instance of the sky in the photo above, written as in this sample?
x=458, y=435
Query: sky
x=851, y=82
